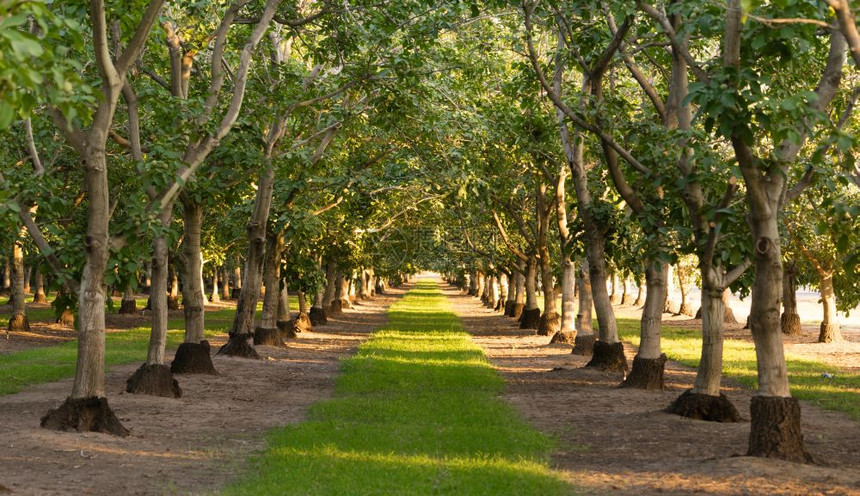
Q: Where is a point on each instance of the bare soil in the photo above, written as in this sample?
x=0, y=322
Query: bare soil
x=188, y=445
x=621, y=442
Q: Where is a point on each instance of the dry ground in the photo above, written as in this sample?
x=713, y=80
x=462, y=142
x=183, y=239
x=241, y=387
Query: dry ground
x=195, y=443
x=620, y=442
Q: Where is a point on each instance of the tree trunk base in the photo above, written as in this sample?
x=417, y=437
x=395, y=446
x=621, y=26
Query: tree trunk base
x=303, y=323
x=345, y=303
x=336, y=308
x=639, y=302
x=268, y=337
x=127, y=307
x=626, y=300
x=549, y=324
x=286, y=329
x=829, y=333
x=583, y=345
x=530, y=319
x=747, y=325
x=613, y=299
x=608, y=357
x=173, y=303
x=40, y=298
x=239, y=345
x=234, y=293
x=517, y=313
x=318, y=316
x=84, y=415
x=509, y=308
x=775, y=429
x=647, y=373
x=568, y=337
x=704, y=407
x=18, y=323
x=154, y=380
x=685, y=310
x=193, y=358
x=67, y=318
x=500, y=306
x=790, y=324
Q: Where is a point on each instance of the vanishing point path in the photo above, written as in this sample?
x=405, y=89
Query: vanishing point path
x=416, y=411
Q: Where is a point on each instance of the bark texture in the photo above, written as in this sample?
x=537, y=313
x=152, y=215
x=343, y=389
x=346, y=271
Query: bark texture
x=84, y=415
x=154, y=380
x=775, y=429
x=193, y=358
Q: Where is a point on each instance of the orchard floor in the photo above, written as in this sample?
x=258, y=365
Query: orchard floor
x=193, y=444
x=620, y=442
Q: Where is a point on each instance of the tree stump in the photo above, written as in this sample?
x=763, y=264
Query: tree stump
x=530, y=319
x=268, y=337
x=193, y=358
x=127, y=307
x=608, y=357
x=318, y=316
x=775, y=429
x=790, y=324
x=584, y=345
x=647, y=373
x=84, y=415
x=549, y=324
x=239, y=345
x=67, y=318
x=563, y=337
x=18, y=323
x=155, y=380
x=303, y=323
x=704, y=407
x=286, y=329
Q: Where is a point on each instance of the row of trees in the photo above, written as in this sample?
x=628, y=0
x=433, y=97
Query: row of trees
x=324, y=146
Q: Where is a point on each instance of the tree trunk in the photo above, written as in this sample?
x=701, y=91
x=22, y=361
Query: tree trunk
x=128, y=305
x=671, y=305
x=613, y=284
x=283, y=321
x=27, y=273
x=640, y=293
x=829, y=330
x=684, y=288
x=568, y=300
x=18, y=322
x=192, y=291
x=268, y=332
x=88, y=388
x=584, y=342
x=530, y=319
x=216, y=292
x=520, y=290
x=158, y=294
x=550, y=321
x=331, y=278
x=790, y=320
x=39, y=295
x=226, y=292
x=649, y=363
x=7, y=274
x=239, y=343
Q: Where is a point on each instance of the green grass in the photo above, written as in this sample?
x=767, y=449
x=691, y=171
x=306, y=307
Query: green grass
x=842, y=392
x=51, y=363
x=416, y=411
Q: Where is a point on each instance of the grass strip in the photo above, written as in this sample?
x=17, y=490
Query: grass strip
x=416, y=411
x=818, y=383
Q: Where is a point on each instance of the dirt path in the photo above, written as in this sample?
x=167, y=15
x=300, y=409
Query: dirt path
x=619, y=441
x=195, y=443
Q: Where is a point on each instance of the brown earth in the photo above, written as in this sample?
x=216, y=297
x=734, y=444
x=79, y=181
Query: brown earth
x=195, y=443
x=620, y=442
